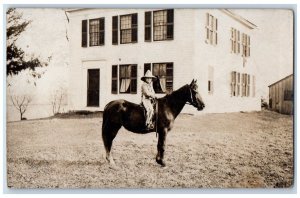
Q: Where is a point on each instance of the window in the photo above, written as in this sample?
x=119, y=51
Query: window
x=245, y=45
x=288, y=95
x=128, y=28
x=84, y=33
x=246, y=85
x=211, y=29
x=164, y=72
x=240, y=84
x=163, y=25
x=114, y=79
x=128, y=78
x=235, y=41
x=210, y=79
x=148, y=26
x=115, y=30
x=96, y=30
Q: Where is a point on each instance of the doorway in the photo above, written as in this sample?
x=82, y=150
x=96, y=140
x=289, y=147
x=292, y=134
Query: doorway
x=93, y=85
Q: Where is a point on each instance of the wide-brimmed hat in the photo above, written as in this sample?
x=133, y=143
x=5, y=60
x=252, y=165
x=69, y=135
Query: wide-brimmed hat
x=148, y=75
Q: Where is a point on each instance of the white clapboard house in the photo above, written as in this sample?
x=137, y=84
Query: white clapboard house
x=112, y=48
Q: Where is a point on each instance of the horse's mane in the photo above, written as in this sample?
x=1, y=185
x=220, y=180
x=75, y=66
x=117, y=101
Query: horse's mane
x=176, y=93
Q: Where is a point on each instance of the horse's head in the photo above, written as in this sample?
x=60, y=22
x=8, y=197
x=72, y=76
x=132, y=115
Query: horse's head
x=195, y=99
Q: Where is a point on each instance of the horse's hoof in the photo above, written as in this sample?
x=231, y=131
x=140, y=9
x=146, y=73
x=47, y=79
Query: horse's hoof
x=161, y=162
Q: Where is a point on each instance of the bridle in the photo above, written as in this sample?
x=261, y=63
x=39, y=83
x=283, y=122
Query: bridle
x=192, y=102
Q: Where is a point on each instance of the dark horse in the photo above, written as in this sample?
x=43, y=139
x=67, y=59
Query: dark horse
x=120, y=113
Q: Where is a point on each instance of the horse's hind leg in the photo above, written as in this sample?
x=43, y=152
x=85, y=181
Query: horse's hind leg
x=108, y=135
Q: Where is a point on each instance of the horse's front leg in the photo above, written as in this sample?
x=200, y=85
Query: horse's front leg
x=162, y=134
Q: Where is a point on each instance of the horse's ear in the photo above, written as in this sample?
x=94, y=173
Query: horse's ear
x=193, y=81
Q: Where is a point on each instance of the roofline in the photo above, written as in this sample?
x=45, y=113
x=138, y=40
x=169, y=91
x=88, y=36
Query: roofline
x=76, y=9
x=280, y=80
x=240, y=19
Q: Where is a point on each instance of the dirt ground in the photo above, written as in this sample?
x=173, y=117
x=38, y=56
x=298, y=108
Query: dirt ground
x=233, y=150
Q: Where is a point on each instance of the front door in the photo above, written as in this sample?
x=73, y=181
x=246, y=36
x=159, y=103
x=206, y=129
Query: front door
x=93, y=85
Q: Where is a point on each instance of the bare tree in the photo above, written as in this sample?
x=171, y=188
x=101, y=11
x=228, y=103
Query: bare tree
x=21, y=103
x=56, y=100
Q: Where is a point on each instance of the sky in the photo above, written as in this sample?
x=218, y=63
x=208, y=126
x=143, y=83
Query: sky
x=273, y=54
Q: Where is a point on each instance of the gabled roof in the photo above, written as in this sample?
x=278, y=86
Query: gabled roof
x=240, y=19
x=280, y=80
x=75, y=9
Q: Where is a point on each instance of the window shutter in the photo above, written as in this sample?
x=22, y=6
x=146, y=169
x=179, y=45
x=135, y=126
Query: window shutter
x=147, y=66
x=169, y=77
x=114, y=79
x=148, y=26
x=133, y=84
x=170, y=24
x=102, y=31
x=216, y=29
x=115, y=30
x=210, y=78
x=248, y=85
x=207, y=19
x=84, y=33
x=238, y=42
x=253, y=86
x=248, y=46
x=134, y=26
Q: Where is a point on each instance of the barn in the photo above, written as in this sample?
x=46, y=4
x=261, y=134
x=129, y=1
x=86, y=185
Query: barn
x=110, y=50
x=281, y=95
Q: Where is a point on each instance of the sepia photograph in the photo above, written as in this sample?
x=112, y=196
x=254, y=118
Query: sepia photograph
x=149, y=98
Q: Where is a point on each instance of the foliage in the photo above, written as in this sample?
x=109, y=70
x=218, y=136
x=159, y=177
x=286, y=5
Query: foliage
x=16, y=59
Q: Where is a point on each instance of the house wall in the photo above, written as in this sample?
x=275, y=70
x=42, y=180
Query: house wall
x=177, y=51
x=277, y=101
x=223, y=62
x=188, y=51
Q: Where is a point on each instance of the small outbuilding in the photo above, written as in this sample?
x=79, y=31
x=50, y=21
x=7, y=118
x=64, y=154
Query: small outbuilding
x=281, y=95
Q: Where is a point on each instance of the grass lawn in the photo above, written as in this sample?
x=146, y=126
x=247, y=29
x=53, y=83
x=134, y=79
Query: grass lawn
x=247, y=150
